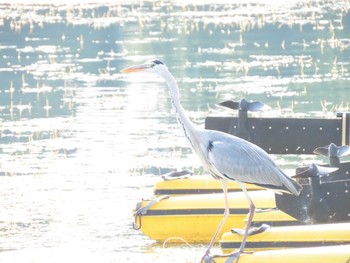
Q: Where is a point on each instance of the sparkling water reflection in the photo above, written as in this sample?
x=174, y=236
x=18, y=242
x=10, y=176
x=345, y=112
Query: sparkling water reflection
x=81, y=143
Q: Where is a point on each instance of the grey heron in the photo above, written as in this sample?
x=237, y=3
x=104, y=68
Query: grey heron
x=224, y=156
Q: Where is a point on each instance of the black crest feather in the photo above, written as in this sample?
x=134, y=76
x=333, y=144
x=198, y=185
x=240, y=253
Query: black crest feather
x=156, y=61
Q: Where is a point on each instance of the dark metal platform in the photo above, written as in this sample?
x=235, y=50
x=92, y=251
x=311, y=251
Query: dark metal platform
x=286, y=135
x=324, y=198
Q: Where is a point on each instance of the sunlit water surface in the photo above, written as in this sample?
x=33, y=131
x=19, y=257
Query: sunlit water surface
x=81, y=143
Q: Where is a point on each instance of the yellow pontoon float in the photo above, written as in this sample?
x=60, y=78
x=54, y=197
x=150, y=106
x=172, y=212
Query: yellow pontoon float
x=195, y=218
x=322, y=254
x=290, y=237
x=196, y=184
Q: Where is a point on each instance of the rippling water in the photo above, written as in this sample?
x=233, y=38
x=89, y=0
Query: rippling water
x=80, y=143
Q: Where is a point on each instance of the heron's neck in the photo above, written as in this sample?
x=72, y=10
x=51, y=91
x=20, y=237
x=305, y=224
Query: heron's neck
x=185, y=123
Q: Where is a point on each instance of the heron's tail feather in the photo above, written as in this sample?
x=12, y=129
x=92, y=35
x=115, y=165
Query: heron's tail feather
x=292, y=185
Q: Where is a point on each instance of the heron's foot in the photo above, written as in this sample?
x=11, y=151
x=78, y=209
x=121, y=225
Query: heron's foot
x=230, y=258
x=207, y=258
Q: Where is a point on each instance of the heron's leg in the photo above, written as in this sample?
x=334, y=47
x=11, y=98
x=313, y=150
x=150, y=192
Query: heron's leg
x=234, y=256
x=226, y=214
x=250, y=217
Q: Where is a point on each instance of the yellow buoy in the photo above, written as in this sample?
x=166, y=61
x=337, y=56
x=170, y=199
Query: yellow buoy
x=205, y=184
x=290, y=237
x=322, y=254
x=195, y=218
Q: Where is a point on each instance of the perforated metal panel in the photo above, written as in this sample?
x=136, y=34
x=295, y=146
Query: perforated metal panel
x=325, y=199
x=286, y=135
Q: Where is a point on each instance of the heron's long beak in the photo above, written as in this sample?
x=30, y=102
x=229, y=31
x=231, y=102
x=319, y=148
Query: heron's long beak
x=135, y=68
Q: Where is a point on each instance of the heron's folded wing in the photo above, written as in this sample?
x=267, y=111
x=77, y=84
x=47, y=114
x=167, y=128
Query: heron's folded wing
x=245, y=162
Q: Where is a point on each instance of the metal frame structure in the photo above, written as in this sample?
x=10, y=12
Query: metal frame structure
x=325, y=197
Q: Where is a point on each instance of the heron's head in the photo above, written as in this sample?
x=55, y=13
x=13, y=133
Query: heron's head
x=155, y=66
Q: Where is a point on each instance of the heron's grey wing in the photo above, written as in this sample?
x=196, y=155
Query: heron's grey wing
x=239, y=160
